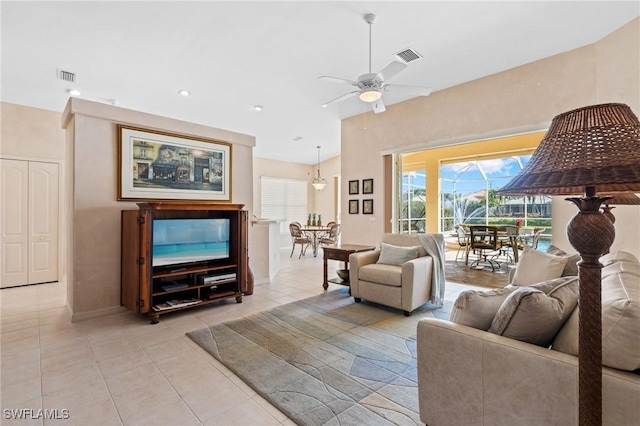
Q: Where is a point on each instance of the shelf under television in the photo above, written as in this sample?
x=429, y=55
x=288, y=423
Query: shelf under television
x=168, y=272
x=192, y=287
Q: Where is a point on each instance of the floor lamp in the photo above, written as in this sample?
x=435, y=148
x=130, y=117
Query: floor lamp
x=590, y=150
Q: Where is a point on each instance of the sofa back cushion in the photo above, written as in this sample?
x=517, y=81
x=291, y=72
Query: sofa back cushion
x=476, y=308
x=620, y=323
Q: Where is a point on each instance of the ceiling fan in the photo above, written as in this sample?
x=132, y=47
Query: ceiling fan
x=371, y=85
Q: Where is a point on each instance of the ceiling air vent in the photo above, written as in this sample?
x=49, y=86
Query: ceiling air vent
x=408, y=55
x=66, y=76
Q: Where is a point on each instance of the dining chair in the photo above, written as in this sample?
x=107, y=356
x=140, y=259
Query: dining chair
x=536, y=238
x=484, y=240
x=509, y=242
x=463, y=242
x=332, y=236
x=298, y=237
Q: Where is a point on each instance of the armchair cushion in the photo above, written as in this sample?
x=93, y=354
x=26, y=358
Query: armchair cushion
x=383, y=274
x=535, y=315
x=396, y=255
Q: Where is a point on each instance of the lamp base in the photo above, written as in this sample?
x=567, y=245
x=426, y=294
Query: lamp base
x=591, y=233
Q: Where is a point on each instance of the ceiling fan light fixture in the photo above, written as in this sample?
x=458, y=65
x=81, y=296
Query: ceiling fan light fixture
x=370, y=96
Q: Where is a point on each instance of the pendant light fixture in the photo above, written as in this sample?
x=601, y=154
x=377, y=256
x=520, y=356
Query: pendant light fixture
x=319, y=183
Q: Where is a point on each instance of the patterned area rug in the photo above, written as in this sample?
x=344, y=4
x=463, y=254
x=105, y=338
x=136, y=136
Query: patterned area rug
x=326, y=360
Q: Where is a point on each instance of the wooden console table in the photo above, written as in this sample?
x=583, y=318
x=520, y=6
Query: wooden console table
x=340, y=252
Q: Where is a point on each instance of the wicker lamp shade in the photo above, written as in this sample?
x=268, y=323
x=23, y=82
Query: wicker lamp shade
x=618, y=200
x=595, y=146
x=623, y=200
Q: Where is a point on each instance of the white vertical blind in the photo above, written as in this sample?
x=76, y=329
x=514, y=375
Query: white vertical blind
x=284, y=199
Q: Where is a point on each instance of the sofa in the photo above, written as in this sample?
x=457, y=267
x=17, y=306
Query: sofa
x=398, y=274
x=479, y=369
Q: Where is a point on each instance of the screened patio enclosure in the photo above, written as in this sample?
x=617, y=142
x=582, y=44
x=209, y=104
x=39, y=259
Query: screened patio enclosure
x=468, y=195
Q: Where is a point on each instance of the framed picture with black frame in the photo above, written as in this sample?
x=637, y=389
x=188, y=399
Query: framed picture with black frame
x=354, y=187
x=353, y=206
x=367, y=206
x=367, y=186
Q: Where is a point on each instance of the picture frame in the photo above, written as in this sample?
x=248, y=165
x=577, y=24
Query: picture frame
x=367, y=206
x=353, y=206
x=367, y=186
x=156, y=165
x=354, y=187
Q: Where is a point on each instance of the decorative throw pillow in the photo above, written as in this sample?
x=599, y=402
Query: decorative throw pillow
x=535, y=266
x=536, y=314
x=396, y=255
x=571, y=267
x=476, y=308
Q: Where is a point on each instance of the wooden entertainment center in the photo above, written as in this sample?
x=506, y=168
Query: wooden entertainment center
x=160, y=289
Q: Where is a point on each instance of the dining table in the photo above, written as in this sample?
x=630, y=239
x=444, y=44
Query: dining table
x=502, y=234
x=316, y=232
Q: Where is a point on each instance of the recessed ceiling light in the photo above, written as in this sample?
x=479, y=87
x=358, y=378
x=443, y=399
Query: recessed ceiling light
x=297, y=138
x=184, y=92
x=74, y=92
x=258, y=107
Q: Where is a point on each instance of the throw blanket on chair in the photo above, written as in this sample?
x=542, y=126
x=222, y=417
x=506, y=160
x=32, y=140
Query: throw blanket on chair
x=434, y=246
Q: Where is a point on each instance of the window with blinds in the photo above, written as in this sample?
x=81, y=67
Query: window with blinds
x=284, y=199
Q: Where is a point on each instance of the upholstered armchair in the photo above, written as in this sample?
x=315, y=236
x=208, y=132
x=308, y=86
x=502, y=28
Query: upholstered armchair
x=397, y=275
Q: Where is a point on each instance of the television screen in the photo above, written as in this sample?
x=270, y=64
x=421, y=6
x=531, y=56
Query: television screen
x=177, y=241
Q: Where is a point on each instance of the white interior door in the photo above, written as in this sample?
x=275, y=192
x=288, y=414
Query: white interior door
x=43, y=222
x=15, y=220
x=29, y=222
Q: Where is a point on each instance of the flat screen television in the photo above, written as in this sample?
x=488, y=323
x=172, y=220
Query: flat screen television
x=180, y=241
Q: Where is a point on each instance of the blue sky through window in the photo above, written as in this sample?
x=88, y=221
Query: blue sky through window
x=468, y=177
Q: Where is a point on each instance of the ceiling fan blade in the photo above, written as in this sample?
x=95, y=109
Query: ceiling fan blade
x=390, y=70
x=378, y=106
x=338, y=80
x=409, y=90
x=340, y=98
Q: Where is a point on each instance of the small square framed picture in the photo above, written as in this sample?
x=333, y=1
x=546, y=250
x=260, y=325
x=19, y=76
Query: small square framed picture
x=367, y=206
x=354, y=187
x=353, y=206
x=367, y=186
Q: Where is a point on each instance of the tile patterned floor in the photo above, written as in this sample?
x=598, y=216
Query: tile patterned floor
x=120, y=370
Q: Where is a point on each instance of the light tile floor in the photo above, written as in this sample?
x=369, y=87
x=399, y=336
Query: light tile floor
x=121, y=370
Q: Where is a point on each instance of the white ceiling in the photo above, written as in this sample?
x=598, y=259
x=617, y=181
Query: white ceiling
x=233, y=55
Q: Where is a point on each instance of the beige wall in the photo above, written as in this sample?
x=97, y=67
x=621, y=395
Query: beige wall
x=94, y=214
x=321, y=202
x=31, y=133
x=522, y=99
